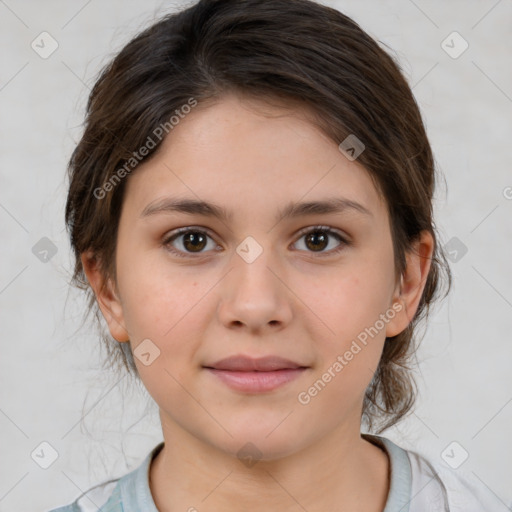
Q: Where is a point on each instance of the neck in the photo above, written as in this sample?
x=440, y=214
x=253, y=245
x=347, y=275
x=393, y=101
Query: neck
x=341, y=472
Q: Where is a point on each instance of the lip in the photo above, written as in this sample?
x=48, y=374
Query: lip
x=255, y=375
x=242, y=363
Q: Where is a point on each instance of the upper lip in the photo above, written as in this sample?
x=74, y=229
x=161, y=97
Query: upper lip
x=241, y=363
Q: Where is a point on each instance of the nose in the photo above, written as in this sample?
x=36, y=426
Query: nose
x=254, y=296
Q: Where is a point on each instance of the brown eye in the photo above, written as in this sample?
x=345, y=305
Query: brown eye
x=318, y=238
x=188, y=241
x=194, y=241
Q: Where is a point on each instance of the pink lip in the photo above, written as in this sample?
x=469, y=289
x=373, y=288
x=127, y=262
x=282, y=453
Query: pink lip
x=255, y=375
x=256, y=382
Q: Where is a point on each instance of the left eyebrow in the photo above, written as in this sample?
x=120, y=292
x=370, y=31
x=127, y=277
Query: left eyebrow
x=192, y=206
x=325, y=206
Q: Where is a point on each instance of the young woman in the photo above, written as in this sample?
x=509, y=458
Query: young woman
x=250, y=207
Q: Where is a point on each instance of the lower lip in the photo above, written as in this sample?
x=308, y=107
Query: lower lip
x=257, y=382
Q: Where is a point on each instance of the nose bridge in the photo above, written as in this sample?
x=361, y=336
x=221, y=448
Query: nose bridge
x=253, y=294
x=252, y=272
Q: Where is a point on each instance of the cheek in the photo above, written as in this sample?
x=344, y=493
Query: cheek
x=167, y=310
x=350, y=350
x=157, y=296
x=169, y=306
x=348, y=301
x=347, y=327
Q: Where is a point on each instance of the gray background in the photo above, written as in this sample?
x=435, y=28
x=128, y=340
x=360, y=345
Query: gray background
x=50, y=376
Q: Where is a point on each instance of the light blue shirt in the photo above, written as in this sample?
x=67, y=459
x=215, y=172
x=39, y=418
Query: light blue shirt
x=415, y=486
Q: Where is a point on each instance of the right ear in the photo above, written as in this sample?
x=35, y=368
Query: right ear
x=106, y=296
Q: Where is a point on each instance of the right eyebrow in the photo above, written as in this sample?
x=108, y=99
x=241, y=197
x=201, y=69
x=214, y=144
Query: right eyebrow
x=184, y=205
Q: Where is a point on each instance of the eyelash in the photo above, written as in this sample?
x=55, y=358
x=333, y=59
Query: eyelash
x=325, y=229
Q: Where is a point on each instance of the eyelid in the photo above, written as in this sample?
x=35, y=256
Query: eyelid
x=322, y=227
x=186, y=229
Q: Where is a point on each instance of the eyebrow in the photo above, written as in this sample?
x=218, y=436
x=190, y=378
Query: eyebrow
x=291, y=210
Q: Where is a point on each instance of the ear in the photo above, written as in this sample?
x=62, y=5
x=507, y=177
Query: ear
x=408, y=293
x=106, y=296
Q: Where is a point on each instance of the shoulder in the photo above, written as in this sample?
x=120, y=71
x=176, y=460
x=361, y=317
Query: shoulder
x=462, y=491
x=100, y=498
x=438, y=488
x=131, y=490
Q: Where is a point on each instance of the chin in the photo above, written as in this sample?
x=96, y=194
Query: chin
x=259, y=442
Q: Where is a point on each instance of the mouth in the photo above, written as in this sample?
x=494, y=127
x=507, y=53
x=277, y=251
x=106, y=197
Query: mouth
x=255, y=375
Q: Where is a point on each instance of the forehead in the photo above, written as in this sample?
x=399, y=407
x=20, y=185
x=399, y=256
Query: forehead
x=250, y=155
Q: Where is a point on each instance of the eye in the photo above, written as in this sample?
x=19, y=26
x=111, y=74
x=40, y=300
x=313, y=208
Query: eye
x=317, y=238
x=190, y=241
x=194, y=241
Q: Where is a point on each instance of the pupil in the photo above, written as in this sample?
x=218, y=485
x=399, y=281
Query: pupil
x=316, y=237
x=196, y=239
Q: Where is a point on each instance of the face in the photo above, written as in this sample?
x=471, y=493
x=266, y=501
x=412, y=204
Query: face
x=195, y=288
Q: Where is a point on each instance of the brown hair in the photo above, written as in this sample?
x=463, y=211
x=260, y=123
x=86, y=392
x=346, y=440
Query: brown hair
x=294, y=51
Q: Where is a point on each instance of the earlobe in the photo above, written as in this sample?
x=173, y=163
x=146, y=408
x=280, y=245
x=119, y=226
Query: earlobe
x=106, y=296
x=412, y=283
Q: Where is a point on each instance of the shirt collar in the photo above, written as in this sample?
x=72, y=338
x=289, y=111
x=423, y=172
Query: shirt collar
x=134, y=487
x=136, y=494
x=400, y=474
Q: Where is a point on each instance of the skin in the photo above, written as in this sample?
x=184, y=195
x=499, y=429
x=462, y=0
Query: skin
x=293, y=301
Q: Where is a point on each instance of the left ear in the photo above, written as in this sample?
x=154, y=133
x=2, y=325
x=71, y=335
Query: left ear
x=409, y=291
